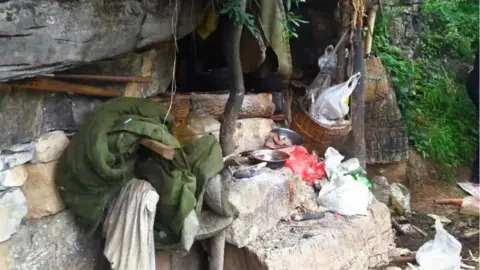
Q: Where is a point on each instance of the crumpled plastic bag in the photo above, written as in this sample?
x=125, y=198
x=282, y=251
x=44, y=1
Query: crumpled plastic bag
x=304, y=164
x=342, y=193
x=332, y=104
x=400, y=198
x=441, y=253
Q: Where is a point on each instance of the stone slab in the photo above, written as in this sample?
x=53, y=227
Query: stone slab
x=330, y=243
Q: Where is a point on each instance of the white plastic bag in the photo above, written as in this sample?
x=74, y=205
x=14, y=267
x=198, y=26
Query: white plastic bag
x=441, y=253
x=332, y=103
x=342, y=193
x=400, y=198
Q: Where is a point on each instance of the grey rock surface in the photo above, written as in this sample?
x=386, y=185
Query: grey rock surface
x=13, y=207
x=53, y=242
x=41, y=36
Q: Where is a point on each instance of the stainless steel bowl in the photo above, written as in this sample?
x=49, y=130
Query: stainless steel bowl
x=273, y=158
x=294, y=137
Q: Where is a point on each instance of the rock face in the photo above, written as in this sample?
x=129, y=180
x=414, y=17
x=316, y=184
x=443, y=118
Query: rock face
x=329, y=243
x=54, y=242
x=41, y=36
x=40, y=190
x=404, y=24
x=14, y=177
x=50, y=146
x=13, y=208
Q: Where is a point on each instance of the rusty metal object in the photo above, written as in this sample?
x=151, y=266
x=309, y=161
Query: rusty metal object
x=104, y=78
x=45, y=84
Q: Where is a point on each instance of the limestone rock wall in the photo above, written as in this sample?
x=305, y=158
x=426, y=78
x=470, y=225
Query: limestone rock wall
x=41, y=36
x=404, y=24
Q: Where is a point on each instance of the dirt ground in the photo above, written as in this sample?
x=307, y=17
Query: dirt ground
x=425, y=186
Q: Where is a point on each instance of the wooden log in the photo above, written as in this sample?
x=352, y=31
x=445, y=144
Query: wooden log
x=254, y=105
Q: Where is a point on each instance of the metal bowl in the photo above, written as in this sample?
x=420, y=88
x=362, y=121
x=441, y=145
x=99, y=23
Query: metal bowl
x=294, y=137
x=273, y=158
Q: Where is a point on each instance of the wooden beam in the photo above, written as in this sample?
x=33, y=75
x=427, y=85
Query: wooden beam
x=163, y=150
x=44, y=84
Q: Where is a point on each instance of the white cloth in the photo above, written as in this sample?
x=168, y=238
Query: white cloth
x=128, y=227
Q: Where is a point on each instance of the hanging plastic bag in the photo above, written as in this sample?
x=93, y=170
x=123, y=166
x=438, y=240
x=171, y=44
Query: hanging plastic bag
x=327, y=62
x=306, y=165
x=342, y=193
x=332, y=104
x=441, y=253
x=400, y=198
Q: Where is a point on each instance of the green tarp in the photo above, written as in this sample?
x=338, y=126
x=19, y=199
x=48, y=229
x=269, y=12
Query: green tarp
x=102, y=156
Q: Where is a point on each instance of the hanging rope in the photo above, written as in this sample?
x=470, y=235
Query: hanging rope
x=358, y=14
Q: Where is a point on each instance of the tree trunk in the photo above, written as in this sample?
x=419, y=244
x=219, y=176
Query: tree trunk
x=231, y=42
x=345, y=17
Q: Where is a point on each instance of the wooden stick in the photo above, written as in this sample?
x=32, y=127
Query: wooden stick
x=104, y=78
x=166, y=152
x=454, y=201
x=45, y=84
x=372, y=14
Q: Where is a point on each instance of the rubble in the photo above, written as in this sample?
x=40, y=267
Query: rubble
x=40, y=190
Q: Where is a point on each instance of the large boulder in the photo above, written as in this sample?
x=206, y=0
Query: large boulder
x=41, y=36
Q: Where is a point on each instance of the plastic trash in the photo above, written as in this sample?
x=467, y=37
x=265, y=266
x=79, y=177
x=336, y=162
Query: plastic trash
x=304, y=164
x=332, y=103
x=342, y=193
x=381, y=189
x=353, y=167
x=470, y=206
x=441, y=253
x=400, y=198
x=362, y=180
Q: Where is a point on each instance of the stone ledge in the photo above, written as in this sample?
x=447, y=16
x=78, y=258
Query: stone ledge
x=330, y=243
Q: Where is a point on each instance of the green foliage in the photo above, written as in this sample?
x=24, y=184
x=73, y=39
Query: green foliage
x=440, y=117
x=232, y=9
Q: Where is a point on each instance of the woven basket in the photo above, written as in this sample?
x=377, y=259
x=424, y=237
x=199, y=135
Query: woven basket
x=375, y=79
x=318, y=137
